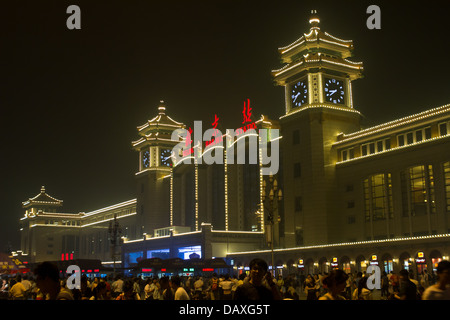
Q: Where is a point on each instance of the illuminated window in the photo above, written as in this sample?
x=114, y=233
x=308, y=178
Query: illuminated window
x=347, y=154
x=447, y=184
x=378, y=197
x=418, y=191
x=414, y=136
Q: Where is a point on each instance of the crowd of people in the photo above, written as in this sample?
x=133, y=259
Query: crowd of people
x=46, y=284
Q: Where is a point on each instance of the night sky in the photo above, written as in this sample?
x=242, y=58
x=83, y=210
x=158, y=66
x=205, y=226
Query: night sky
x=71, y=99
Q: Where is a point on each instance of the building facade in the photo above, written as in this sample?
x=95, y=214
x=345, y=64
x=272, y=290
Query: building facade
x=351, y=196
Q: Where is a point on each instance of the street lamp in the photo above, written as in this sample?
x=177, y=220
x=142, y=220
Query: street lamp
x=274, y=194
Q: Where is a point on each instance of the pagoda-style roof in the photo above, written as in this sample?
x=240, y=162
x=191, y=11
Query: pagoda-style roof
x=159, y=128
x=42, y=199
x=317, y=49
x=315, y=39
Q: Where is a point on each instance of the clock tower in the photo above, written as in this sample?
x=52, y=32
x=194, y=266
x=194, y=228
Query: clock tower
x=317, y=79
x=154, y=148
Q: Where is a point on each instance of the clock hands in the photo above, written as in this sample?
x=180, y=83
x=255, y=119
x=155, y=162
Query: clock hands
x=296, y=96
x=333, y=92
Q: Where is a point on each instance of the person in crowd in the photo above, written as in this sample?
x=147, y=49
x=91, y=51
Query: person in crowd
x=117, y=286
x=384, y=285
x=424, y=279
x=394, y=282
x=127, y=291
x=17, y=291
x=166, y=287
x=100, y=292
x=226, y=285
x=408, y=290
x=214, y=287
x=179, y=292
x=198, y=288
x=4, y=290
x=147, y=289
x=48, y=282
x=260, y=286
x=348, y=286
x=335, y=283
x=310, y=288
x=362, y=292
x=440, y=290
x=158, y=292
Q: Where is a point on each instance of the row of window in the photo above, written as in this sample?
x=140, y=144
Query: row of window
x=403, y=139
x=417, y=194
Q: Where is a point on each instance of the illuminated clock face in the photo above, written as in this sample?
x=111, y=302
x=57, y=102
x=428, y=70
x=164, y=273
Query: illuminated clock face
x=146, y=159
x=334, y=91
x=166, y=160
x=299, y=93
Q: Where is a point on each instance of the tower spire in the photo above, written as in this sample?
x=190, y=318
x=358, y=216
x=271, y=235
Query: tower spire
x=314, y=19
x=162, y=107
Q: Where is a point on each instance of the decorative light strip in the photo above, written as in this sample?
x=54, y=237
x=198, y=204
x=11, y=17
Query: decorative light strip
x=240, y=232
x=135, y=143
x=105, y=220
x=52, y=225
x=225, y=166
x=171, y=198
x=57, y=215
x=335, y=38
x=321, y=106
x=196, y=195
x=333, y=42
x=446, y=235
x=395, y=149
x=115, y=206
x=31, y=199
x=112, y=262
x=282, y=70
x=162, y=237
x=342, y=64
x=152, y=169
x=42, y=202
x=395, y=123
x=356, y=65
x=178, y=123
x=293, y=45
x=352, y=62
x=261, y=202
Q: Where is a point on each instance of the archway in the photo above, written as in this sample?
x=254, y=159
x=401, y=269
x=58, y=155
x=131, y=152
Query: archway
x=405, y=261
x=361, y=263
x=345, y=264
x=323, y=265
x=387, y=262
x=435, y=257
x=309, y=266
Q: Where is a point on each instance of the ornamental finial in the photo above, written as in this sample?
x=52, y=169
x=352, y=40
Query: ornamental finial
x=314, y=19
x=161, y=107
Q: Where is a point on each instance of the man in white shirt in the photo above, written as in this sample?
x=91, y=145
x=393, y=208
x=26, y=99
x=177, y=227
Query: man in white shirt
x=441, y=290
x=180, y=293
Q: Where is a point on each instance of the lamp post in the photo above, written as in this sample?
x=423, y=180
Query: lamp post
x=114, y=232
x=268, y=201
